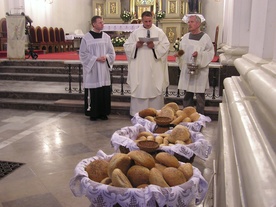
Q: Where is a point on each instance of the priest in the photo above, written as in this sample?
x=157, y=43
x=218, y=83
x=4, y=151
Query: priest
x=147, y=49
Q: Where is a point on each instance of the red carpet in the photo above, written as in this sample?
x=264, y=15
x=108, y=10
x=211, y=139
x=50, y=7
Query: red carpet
x=74, y=56
x=69, y=56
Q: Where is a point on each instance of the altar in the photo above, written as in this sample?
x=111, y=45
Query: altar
x=120, y=27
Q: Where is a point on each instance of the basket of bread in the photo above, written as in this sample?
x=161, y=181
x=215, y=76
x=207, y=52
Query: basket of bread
x=139, y=179
x=181, y=142
x=171, y=112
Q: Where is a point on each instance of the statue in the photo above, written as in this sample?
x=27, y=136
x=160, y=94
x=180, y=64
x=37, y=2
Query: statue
x=193, y=6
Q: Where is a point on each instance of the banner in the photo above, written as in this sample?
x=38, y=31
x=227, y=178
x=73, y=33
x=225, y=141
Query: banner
x=16, y=37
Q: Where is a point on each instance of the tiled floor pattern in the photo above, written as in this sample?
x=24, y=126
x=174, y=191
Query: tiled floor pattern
x=51, y=144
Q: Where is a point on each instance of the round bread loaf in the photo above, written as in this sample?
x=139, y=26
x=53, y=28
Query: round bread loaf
x=121, y=161
x=144, y=133
x=189, y=110
x=173, y=176
x=173, y=105
x=138, y=175
x=187, y=170
x=142, y=158
x=147, y=112
x=167, y=159
x=97, y=170
x=194, y=116
x=159, y=139
x=187, y=119
x=167, y=112
x=119, y=179
x=181, y=113
x=179, y=132
x=156, y=178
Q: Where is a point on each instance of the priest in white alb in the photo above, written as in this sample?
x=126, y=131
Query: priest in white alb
x=147, y=65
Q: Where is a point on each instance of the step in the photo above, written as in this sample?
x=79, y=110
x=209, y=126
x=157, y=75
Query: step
x=62, y=105
x=36, y=69
x=38, y=77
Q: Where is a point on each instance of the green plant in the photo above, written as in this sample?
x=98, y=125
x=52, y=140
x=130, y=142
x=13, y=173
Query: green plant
x=160, y=15
x=126, y=16
x=118, y=41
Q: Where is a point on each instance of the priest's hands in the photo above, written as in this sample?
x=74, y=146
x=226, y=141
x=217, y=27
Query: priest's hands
x=139, y=44
x=101, y=59
x=150, y=45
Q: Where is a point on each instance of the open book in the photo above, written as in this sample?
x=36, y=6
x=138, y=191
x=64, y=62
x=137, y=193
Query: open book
x=148, y=39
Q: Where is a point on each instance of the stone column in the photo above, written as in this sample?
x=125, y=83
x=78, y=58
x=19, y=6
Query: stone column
x=235, y=30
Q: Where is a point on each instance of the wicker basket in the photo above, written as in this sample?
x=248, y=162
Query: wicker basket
x=148, y=146
x=162, y=124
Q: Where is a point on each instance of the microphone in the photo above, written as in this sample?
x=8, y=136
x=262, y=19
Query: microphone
x=148, y=33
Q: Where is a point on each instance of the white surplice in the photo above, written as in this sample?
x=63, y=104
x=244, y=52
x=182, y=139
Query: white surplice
x=200, y=82
x=96, y=74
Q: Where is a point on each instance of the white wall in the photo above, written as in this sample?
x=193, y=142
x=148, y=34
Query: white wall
x=212, y=10
x=69, y=14
x=76, y=14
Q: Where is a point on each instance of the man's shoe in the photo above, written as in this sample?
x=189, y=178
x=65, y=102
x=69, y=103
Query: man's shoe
x=104, y=117
x=93, y=118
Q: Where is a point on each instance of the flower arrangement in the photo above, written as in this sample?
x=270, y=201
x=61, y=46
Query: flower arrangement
x=126, y=16
x=118, y=41
x=177, y=44
x=160, y=15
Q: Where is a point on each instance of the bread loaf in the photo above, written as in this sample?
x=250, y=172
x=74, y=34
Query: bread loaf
x=173, y=105
x=167, y=112
x=177, y=120
x=194, y=116
x=179, y=132
x=143, y=186
x=97, y=170
x=160, y=167
x=156, y=178
x=147, y=112
x=121, y=161
x=189, y=110
x=187, y=170
x=150, y=118
x=138, y=175
x=119, y=179
x=167, y=159
x=144, y=133
x=106, y=181
x=187, y=119
x=142, y=158
x=173, y=176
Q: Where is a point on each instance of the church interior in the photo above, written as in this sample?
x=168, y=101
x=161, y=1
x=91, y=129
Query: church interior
x=45, y=138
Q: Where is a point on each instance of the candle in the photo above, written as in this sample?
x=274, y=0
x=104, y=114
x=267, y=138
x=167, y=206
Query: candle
x=96, y=11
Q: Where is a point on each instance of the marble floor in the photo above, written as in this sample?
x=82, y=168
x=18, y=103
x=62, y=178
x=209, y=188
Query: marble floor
x=51, y=144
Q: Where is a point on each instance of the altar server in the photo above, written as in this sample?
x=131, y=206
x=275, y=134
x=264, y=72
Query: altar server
x=97, y=56
x=196, y=48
